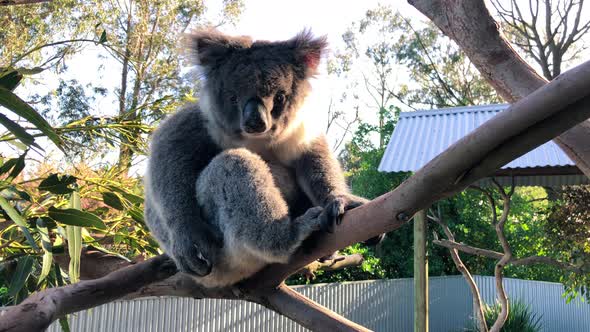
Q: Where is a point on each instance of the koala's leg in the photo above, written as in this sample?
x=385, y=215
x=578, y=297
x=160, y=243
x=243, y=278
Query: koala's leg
x=237, y=190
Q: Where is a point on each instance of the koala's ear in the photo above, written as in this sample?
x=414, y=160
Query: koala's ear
x=308, y=50
x=211, y=46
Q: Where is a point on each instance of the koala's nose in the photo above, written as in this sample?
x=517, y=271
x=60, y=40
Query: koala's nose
x=255, y=117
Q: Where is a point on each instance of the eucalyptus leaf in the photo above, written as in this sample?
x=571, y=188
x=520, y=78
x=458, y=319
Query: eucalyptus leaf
x=75, y=217
x=18, y=106
x=103, y=37
x=18, y=131
x=112, y=200
x=74, y=236
x=24, y=268
x=58, y=184
x=18, y=220
x=10, y=79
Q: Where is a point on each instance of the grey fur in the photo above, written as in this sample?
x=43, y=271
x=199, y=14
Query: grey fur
x=220, y=198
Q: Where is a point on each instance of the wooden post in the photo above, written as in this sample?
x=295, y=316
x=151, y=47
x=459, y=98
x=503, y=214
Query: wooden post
x=420, y=273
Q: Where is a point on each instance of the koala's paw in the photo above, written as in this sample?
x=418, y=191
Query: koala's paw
x=311, y=220
x=336, y=207
x=195, y=251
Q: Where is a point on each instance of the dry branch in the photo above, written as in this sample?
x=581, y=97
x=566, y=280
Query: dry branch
x=470, y=25
x=522, y=127
x=475, y=295
x=331, y=265
x=531, y=260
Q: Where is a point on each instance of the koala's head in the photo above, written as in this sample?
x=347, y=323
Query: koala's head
x=254, y=89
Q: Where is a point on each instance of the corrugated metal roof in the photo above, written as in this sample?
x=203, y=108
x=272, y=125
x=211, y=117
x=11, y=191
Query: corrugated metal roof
x=421, y=135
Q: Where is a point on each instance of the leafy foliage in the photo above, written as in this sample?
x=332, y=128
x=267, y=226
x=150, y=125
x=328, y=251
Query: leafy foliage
x=520, y=318
x=568, y=232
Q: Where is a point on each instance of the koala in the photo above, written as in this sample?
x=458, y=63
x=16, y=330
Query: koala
x=237, y=181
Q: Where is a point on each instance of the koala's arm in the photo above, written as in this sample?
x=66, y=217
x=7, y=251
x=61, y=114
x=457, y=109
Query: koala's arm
x=180, y=149
x=320, y=176
x=322, y=179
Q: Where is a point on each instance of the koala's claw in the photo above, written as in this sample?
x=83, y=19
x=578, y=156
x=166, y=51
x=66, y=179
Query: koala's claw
x=335, y=210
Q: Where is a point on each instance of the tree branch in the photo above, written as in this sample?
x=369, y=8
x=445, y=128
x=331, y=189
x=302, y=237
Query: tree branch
x=531, y=260
x=331, y=265
x=38, y=311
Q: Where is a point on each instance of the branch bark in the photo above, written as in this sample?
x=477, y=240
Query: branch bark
x=470, y=25
x=20, y=2
x=331, y=265
x=522, y=127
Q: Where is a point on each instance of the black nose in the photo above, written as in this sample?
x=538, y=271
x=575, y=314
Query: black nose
x=255, y=117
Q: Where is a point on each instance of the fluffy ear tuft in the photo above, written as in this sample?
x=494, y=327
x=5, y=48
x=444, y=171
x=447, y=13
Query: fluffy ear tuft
x=210, y=46
x=309, y=50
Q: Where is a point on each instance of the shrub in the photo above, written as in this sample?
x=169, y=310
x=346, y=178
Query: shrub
x=520, y=318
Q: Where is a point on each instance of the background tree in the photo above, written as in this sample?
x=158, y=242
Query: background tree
x=551, y=33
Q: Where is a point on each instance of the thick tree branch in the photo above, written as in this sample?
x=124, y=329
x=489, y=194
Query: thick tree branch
x=471, y=26
x=522, y=127
x=38, y=311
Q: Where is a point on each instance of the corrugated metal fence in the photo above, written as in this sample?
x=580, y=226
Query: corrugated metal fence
x=383, y=305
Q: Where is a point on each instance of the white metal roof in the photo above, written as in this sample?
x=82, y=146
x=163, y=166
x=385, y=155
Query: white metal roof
x=421, y=135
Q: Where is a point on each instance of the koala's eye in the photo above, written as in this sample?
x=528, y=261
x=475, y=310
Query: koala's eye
x=280, y=98
x=233, y=99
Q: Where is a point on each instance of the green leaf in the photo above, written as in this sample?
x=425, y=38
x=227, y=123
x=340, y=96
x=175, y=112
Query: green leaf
x=112, y=200
x=103, y=37
x=19, y=220
x=10, y=79
x=64, y=324
x=75, y=217
x=18, y=131
x=24, y=268
x=137, y=214
x=11, y=193
x=74, y=235
x=15, y=166
x=18, y=106
x=47, y=247
x=58, y=184
x=132, y=198
x=30, y=71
